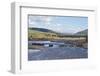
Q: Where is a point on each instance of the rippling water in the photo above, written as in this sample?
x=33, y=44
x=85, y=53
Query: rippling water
x=57, y=53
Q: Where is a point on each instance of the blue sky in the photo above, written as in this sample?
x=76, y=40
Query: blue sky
x=62, y=24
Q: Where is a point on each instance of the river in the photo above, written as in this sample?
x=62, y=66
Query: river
x=57, y=53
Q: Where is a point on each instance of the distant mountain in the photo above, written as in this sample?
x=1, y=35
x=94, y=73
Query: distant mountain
x=42, y=30
x=84, y=32
x=49, y=31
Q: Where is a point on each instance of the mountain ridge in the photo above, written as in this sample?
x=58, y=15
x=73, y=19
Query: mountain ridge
x=83, y=32
x=42, y=30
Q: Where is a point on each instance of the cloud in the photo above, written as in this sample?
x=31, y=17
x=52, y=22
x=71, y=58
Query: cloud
x=46, y=20
x=32, y=22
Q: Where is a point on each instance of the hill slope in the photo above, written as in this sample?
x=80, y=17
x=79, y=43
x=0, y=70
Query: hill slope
x=40, y=33
x=42, y=30
x=84, y=32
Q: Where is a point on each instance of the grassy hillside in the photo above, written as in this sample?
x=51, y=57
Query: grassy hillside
x=45, y=34
x=38, y=34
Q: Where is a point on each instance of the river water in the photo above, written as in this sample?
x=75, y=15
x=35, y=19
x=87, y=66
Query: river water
x=57, y=53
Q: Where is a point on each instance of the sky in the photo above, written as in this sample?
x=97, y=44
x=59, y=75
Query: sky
x=61, y=24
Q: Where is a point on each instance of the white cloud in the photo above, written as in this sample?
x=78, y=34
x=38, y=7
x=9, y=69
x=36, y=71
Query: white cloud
x=46, y=19
x=32, y=22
